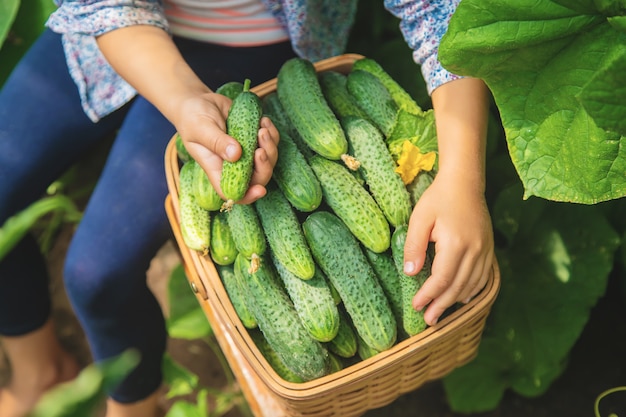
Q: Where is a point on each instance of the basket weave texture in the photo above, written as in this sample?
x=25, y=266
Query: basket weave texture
x=366, y=385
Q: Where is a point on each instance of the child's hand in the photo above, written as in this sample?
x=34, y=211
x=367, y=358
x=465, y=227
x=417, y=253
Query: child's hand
x=202, y=127
x=454, y=216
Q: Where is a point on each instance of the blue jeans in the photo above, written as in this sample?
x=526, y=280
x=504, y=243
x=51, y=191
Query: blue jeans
x=43, y=131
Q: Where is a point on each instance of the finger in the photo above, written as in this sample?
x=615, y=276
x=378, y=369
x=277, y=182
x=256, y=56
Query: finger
x=263, y=169
x=269, y=144
x=266, y=123
x=253, y=193
x=416, y=244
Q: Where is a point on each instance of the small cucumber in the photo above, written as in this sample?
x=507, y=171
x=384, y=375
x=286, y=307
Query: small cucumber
x=412, y=320
x=230, y=89
x=181, y=151
x=273, y=108
x=195, y=222
x=402, y=98
x=339, y=255
x=223, y=249
x=247, y=232
x=334, y=88
x=313, y=302
x=280, y=324
x=284, y=233
x=389, y=278
x=300, y=93
x=242, y=124
x=378, y=168
x=272, y=357
x=295, y=177
x=236, y=293
x=374, y=98
x=203, y=190
x=419, y=184
x=364, y=350
x=352, y=203
x=344, y=344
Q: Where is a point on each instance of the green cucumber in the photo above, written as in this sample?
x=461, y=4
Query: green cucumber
x=378, y=168
x=389, y=278
x=419, y=184
x=344, y=344
x=364, y=350
x=230, y=89
x=237, y=295
x=412, y=320
x=247, y=232
x=284, y=233
x=294, y=176
x=242, y=124
x=402, y=98
x=181, y=151
x=195, y=222
x=223, y=249
x=336, y=364
x=300, y=93
x=313, y=302
x=273, y=108
x=374, y=98
x=272, y=357
x=334, y=88
x=339, y=255
x=278, y=320
x=203, y=190
x=352, y=203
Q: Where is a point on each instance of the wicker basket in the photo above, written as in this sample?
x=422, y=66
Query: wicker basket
x=363, y=386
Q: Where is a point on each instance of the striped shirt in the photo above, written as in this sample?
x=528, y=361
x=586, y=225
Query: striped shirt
x=227, y=22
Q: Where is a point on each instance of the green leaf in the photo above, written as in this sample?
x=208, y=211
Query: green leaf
x=604, y=96
x=554, y=267
x=536, y=57
x=186, y=318
x=8, y=11
x=82, y=396
x=180, y=380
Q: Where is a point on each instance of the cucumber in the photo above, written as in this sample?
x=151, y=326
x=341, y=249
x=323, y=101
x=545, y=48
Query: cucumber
x=247, y=232
x=242, y=124
x=402, y=98
x=195, y=222
x=341, y=102
x=352, y=203
x=272, y=357
x=389, y=279
x=336, y=364
x=223, y=249
x=300, y=93
x=364, y=350
x=313, y=302
x=235, y=289
x=181, y=151
x=280, y=324
x=273, y=108
x=203, y=190
x=378, y=168
x=284, y=233
x=344, y=344
x=230, y=89
x=412, y=320
x=294, y=176
x=419, y=184
x=339, y=255
x=374, y=98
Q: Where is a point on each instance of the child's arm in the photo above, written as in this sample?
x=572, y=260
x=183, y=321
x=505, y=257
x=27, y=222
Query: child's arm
x=147, y=58
x=452, y=212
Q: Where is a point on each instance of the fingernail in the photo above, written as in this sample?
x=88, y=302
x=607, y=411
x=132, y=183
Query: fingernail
x=231, y=151
x=434, y=321
x=409, y=267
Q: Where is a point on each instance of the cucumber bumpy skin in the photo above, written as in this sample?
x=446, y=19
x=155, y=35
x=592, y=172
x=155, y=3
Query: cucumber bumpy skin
x=412, y=321
x=339, y=99
x=352, y=203
x=223, y=250
x=339, y=255
x=247, y=232
x=237, y=294
x=284, y=233
x=203, y=190
x=378, y=168
x=279, y=322
x=195, y=222
x=242, y=124
x=300, y=93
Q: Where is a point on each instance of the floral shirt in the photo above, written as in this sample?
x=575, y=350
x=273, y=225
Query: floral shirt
x=317, y=28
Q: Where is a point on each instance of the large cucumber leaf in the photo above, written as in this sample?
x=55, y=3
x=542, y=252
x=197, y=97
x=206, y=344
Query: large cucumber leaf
x=8, y=11
x=551, y=66
x=555, y=266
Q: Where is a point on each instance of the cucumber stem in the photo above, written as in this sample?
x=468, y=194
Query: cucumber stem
x=246, y=84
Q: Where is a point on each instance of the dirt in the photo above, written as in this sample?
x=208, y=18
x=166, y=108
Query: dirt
x=597, y=362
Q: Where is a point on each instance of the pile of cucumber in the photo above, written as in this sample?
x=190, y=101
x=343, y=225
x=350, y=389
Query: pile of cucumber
x=314, y=268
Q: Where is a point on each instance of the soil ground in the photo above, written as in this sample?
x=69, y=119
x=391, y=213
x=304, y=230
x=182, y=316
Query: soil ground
x=597, y=362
